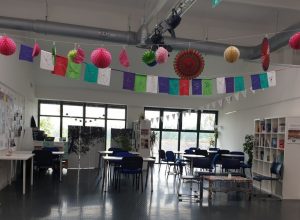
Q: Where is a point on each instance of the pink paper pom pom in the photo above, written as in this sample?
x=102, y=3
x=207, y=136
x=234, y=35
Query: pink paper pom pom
x=123, y=58
x=101, y=58
x=294, y=41
x=79, y=57
x=36, y=50
x=7, y=46
x=161, y=55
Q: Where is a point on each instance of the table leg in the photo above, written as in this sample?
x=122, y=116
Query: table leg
x=210, y=189
x=192, y=166
x=10, y=176
x=152, y=166
x=31, y=174
x=60, y=168
x=104, y=176
x=201, y=187
x=24, y=177
x=146, y=182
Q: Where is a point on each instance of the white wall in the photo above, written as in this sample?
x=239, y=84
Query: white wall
x=18, y=76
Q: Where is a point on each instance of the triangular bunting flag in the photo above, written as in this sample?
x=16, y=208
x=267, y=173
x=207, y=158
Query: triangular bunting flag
x=173, y=86
x=140, y=83
x=152, y=83
x=213, y=104
x=220, y=102
x=46, y=61
x=244, y=93
x=237, y=96
x=104, y=76
x=228, y=99
x=221, y=85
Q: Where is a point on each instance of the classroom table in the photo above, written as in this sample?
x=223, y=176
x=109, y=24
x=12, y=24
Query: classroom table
x=60, y=156
x=191, y=157
x=107, y=159
x=233, y=155
x=21, y=156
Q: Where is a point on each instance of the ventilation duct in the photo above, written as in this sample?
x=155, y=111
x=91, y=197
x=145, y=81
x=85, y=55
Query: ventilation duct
x=126, y=37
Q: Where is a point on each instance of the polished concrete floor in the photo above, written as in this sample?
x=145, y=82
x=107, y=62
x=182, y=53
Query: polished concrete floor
x=80, y=197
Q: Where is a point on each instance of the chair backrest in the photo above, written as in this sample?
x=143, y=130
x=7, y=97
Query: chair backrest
x=276, y=168
x=170, y=156
x=231, y=164
x=123, y=154
x=51, y=149
x=224, y=151
x=242, y=154
x=214, y=149
x=162, y=154
x=43, y=158
x=203, y=163
x=201, y=152
x=132, y=163
x=189, y=151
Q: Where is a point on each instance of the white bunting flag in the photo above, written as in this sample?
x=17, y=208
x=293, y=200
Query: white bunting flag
x=237, y=96
x=152, y=84
x=252, y=90
x=271, y=78
x=168, y=116
x=189, y=111
x=104, y=76
x=157, y=119
x=173, y=116
x=244, y=93
x=46, y=62
x=228, y=99
x=221, y=89
x=213, y=104
x=220, y=102
x=162, y=118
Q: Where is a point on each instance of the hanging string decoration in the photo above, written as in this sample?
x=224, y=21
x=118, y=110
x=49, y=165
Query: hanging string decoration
x=294, y=41
x=123, y=58
x=7, y=46
x=36, y=50
x=77, y=56
x=161, y=55
x=101, y=58
x=149, y=58
x=265, y=54
x=188, y=64
x=231, y=54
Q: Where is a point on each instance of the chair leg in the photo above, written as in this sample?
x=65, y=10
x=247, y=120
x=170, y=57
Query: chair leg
x=142, y=181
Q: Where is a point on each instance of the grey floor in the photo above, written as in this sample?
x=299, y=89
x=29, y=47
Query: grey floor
x=79, y=197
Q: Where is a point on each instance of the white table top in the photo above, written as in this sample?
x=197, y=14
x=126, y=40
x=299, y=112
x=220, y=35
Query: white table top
x=58, y=152
x=16, y=156
x=232, y=155
x=111, y=152
x=178, y=152
x=193, y=156
x=145, y=159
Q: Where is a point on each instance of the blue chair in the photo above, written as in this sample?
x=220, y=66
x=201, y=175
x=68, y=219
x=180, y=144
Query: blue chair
x=162, y=157
x=201, y=152
x=172, y=161
x=242, y=161
x=132, y=165
x=276, y=169
x=229, y=164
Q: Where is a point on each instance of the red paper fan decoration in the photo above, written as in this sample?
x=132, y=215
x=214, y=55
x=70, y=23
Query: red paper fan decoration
x=188, y=64
x=265, y=54
x=7, y=46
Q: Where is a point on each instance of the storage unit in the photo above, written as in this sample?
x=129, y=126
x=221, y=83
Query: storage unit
x=276, y=139
x=141, y=137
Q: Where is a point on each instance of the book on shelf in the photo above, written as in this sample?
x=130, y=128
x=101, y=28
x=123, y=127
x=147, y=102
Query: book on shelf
x=281, y=143
x=269, y=127
x=262, y=155
x=274, y=142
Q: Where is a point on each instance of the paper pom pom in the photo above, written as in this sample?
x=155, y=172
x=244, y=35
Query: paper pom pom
x=7, y=46
x=188, y=64
x=149, y=58
x=161, y=55
x=72, y=54
x=80, y=56
x=123, y=58
x=265, y=54
x=294, y=41
x=36, y=50
x=101, y=58
x=231, y=54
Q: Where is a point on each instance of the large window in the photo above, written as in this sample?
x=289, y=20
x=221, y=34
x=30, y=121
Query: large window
x=56, y=116
x=178, y=129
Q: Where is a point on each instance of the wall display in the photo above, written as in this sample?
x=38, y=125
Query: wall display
x=12, y=106
x=293, y=133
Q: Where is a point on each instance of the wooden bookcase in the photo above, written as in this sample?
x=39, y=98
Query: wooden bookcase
x=272, y=144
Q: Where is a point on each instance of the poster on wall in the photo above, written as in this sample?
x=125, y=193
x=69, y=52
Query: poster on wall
x=293, y=133
x=12, y=106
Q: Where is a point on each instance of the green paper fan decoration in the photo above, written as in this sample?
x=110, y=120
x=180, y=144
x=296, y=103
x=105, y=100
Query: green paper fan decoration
x=149, y=58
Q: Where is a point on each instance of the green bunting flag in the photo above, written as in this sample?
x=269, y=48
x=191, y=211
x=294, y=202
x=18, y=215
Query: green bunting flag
x=207, y=87
x=263, y=77
x=73, y=70
x=140, y=83
x=239, y=84
x=91, y=73
x=173, y=86
x=215, y=3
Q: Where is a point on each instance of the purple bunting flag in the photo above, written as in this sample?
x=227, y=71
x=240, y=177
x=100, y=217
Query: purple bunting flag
x=229, y=82
x=26, y=53
x=197, y=87
x=128, y=80
x=163, y=84
x=255, y=82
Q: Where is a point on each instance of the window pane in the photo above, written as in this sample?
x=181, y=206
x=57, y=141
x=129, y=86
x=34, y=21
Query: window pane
x=170, y=120
x=169, y=141
x=116, y=113
x=94, y=112
x=70, y=121
x=205, y=140
x=189, y=121
x=73, y=110
x=155, y=146
x=153, y=115
x=112, y=124
x=187, y=140
x=95, y=122
x=49, y=109
x=207, y=121
x=51, y=126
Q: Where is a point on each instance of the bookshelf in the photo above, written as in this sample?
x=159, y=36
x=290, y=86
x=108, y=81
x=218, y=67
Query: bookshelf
x=271, y=143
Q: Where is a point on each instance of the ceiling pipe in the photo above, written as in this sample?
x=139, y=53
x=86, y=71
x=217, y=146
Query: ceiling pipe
x=127, y=37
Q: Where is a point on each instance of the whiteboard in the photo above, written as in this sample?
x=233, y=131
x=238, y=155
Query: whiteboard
x=12, y=108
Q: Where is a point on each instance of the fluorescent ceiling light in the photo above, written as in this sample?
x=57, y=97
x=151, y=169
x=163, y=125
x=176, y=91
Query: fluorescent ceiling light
x=228, y=113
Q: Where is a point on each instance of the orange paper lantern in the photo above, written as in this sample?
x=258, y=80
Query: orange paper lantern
x=231, y=54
